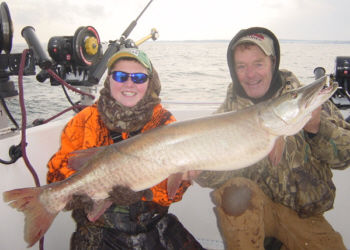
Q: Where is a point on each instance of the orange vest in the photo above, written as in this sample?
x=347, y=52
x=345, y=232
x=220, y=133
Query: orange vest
x=86, y=130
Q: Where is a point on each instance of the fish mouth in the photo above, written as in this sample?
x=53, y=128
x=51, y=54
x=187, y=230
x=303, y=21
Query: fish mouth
x=328, y=88
x=319, y=90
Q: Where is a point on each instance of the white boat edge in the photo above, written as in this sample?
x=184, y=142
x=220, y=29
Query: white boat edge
x=195, y=211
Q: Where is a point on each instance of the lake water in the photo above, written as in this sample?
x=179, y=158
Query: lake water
x=190, y=72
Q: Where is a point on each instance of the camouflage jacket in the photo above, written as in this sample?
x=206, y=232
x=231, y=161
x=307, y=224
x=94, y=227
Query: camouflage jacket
x=303, y=178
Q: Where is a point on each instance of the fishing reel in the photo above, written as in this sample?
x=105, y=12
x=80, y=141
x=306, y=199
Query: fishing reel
x=341, y=98
x=73, y=56
x=98, y=70
x=9, y=63
x=77, y=60
x=342, y=76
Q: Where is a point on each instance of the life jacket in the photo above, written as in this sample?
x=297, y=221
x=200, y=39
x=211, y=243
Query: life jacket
x=86, y=130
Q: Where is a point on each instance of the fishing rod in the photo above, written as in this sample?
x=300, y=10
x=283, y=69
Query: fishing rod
x=99, y=68
x=132, y=25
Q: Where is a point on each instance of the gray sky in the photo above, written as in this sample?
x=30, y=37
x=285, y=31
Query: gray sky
x=183, y=19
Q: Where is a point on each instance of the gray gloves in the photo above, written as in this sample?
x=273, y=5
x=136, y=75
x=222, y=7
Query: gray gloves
x=119, y=195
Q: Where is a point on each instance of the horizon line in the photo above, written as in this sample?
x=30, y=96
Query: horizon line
x=228, y=40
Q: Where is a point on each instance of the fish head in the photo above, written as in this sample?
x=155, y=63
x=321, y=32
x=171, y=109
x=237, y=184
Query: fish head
x=288, y=113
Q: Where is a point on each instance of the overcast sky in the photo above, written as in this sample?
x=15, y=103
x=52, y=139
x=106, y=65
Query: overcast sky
x=183, y=19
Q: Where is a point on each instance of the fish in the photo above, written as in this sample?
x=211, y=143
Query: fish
x=218, y=142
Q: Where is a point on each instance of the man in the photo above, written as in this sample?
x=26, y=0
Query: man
x=285, y=195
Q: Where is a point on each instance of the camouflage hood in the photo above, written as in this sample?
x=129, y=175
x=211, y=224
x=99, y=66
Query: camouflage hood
x=235, y=87
x=120, y=118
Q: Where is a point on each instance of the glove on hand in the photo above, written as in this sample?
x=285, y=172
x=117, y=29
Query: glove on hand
x=119, y=195
x=80, y=201
x=124, y=196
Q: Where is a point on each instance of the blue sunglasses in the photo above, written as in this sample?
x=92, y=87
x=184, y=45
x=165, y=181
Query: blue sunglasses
x=121, y=76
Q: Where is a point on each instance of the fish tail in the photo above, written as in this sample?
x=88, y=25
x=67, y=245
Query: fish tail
x=37, y=218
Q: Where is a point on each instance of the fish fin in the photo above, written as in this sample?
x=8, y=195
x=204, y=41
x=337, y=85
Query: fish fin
x=37, y=218
x=78, y=158
x=173, y=184
x=98, y=209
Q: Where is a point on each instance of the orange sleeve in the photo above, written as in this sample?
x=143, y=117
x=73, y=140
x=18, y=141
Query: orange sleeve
x=86, y=130
x=81, y=132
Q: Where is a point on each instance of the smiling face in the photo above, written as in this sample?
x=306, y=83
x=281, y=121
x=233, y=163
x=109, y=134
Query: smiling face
x=254, y=70
x=128, y=93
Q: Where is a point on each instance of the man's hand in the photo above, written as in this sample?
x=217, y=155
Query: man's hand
x=276, y=153
x=313, y=126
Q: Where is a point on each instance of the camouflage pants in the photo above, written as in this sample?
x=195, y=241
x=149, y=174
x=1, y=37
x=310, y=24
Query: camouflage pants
x=246, y=216
x=167, y=233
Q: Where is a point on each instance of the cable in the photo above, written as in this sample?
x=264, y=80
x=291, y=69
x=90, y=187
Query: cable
x=7, y=162
x=66, y=94
x=54, y=75
x=23, y=130
x=9, y=115
x=75, y=107
x=15, y=153
x=24, y=118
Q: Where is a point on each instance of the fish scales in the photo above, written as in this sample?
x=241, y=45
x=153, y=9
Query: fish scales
x=220, y=142
x=154, y=156
x=146, y=161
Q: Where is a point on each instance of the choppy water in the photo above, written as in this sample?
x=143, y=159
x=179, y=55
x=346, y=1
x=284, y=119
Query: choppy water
x=189, y=72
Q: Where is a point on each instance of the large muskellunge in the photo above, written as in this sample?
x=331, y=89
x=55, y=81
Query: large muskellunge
x=237, y=140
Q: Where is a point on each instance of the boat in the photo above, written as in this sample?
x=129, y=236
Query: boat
x=195, y=211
